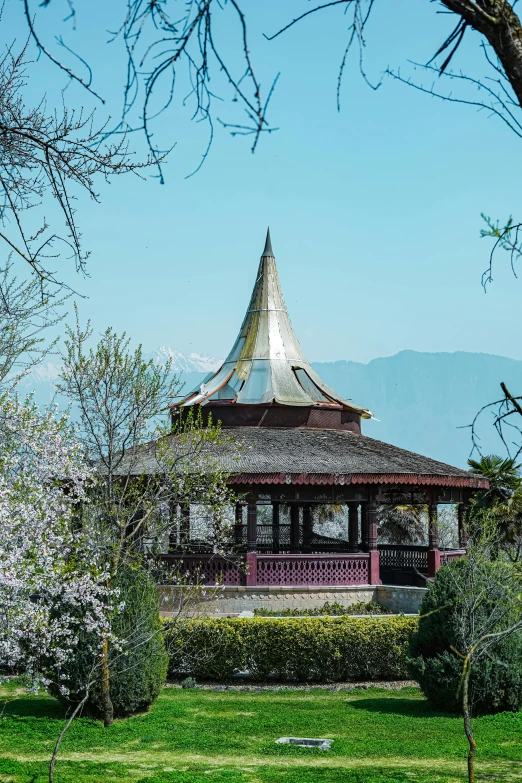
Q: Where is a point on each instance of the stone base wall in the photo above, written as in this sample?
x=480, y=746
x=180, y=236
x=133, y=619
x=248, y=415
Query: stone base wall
x=235, y=600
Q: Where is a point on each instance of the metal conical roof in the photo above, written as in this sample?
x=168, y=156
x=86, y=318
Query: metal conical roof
x=266, y=363
x=268, y=245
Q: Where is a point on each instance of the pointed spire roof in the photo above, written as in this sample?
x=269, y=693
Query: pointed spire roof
x=266, y=363
x=268, y=245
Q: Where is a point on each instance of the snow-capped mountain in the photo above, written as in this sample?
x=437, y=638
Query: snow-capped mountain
x=46, y=372
x=191, y=369
x=194, y=362
x=41, y=382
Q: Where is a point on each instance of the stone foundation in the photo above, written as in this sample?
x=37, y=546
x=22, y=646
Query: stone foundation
x=234, y=600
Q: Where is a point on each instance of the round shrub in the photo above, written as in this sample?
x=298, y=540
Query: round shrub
x=447, y=624
x=138, y=670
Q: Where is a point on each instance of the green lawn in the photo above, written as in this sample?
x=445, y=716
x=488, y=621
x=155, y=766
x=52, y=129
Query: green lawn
x=200, y=736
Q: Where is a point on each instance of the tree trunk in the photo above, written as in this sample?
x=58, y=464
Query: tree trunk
x=467, y=724
x=108, y=711
x=498, y=22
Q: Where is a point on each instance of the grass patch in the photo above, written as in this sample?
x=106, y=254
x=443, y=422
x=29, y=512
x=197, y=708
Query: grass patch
x=202, y=736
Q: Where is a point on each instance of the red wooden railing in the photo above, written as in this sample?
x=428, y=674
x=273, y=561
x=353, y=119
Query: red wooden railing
x=447, y=555
x=404, y=557
x=207, y=569
x=407, y=557
x=319, y=570
x=265, y=570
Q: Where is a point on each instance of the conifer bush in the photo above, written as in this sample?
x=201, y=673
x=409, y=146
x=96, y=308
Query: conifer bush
x=444, y=625
x=138, y=670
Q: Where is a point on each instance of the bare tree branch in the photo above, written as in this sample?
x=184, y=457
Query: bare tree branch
x=48, y=156
x=41, y=48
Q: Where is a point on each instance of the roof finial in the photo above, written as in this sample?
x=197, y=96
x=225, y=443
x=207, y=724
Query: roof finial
x=268, y=246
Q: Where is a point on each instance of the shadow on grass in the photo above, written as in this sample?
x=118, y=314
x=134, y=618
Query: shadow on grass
x=67, y=772
x=398, y=706
x=33, y=707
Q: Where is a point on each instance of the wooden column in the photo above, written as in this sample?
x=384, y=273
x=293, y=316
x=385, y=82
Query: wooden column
x=275, y=527
x=307, y=528
x=353, y=527
x=238, y=525
x=371, y=523
x=184, y=524
x=433, y=537
x=463, y=511
x=294, y=528
x=365, y=533
x=252, y=527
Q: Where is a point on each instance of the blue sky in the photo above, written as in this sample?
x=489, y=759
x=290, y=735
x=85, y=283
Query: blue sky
x=374, y=211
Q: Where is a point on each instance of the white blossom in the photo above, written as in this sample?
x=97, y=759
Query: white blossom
x=52, y=585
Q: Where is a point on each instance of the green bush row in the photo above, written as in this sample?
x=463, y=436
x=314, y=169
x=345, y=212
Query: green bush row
x=334, y=609
x=318, y=649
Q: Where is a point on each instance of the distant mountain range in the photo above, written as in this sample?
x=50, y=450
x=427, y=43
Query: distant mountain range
x=421, y=401
x=424, y=402
x=194, y=362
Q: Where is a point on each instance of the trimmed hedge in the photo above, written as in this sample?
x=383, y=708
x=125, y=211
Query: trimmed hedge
x=328, y=609
x=312, y=649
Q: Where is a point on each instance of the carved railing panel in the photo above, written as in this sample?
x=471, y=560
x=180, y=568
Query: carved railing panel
x=317, y=570
x=207, y=570
x=404, y=558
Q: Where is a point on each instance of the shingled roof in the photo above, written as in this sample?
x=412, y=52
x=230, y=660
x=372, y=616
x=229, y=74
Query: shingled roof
x=308, y=456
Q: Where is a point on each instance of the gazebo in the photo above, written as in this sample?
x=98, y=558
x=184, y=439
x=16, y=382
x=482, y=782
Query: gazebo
x=293, y=444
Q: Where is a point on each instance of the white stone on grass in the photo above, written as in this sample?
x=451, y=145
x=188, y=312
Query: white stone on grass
x=305, y=742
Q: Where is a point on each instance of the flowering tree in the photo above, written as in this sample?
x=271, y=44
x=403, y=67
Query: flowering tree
x=146, y=471
x=52, y=585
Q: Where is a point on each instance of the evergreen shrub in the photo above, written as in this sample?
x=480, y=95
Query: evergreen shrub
x=496, y=678
x=303, y=650
x=138, y=671
x=138, y=675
